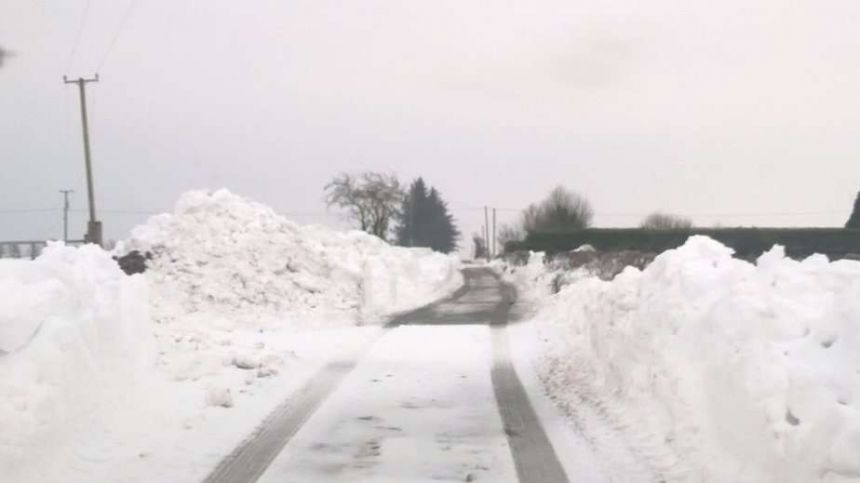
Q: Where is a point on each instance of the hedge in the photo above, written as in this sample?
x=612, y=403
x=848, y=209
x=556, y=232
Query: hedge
x=747, y=242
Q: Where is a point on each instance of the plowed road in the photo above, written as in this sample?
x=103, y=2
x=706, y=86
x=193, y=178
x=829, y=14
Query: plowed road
x=435, y=398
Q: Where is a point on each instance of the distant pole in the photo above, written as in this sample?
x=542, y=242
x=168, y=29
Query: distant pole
x=94, y=227
x=487, y=231
x=483, y=234
x=66, y=214
x=494, y=232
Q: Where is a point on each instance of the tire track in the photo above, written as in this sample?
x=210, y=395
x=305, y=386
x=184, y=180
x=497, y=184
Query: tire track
x=534, y=456
x=251, y=458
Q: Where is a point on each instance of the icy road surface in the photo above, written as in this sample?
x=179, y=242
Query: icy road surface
x=435, y=398
x=414, y=410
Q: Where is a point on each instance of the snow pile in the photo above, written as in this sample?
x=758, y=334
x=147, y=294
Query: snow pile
x=74, y=338
x=105, y=376
x=231, y=281
x=222, y=257
x=747, y=373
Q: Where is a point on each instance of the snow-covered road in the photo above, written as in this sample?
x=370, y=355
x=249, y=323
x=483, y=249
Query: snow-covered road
x=422, y=404
x=418, y=408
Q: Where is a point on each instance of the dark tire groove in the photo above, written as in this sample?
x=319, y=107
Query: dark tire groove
x=534, y=456
x=252, y=457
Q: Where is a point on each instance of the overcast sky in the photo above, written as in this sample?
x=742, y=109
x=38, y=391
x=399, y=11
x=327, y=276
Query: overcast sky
x=736, y=112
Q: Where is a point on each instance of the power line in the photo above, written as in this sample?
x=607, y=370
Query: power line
x=29, y=210
x=77, y=41
x=116, y=35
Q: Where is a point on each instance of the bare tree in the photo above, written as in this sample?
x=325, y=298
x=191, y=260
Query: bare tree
x=561, y=210
x=665, y=221
x=372, y=199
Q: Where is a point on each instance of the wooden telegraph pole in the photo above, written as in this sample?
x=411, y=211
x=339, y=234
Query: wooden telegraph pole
x=94, y=227
x=494, y=233
x=487, y=232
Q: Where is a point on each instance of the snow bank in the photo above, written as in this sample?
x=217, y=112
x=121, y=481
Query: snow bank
x=154, y=377
x=231, y=281
x=223, y=257
x=74, y=338
x=747, y=373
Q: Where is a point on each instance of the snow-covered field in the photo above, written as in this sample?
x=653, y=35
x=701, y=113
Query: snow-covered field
x=108, y=377
x=710, y=368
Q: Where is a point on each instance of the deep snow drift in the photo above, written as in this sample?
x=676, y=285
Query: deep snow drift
x=716, y=369
x=75, y=341
x=106, y=376
x=224, y=256
x=228, y=274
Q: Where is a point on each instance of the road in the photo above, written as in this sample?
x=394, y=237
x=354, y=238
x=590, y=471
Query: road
x=435, y=398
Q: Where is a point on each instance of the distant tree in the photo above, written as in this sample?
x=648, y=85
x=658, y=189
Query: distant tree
x=372, y=199
x=561, y=210
x=854, y=220
x=510, y=233
x=425, y=220
x=15, y=250
x=412, y=230
x=480, y=246
x=665, y=221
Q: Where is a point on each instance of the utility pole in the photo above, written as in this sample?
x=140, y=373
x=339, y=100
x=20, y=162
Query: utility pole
x=487, y=231
x=494, y=232
x=66, y=214
x=94, y=227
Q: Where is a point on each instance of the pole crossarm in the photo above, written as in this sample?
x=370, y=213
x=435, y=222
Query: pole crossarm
x=80, y=79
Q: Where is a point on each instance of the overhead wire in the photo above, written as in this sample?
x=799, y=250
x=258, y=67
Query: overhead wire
x=126, y=15
x=77, y=41
x=29, y=210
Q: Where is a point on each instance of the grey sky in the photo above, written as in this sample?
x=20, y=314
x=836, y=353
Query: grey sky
x=736, y=112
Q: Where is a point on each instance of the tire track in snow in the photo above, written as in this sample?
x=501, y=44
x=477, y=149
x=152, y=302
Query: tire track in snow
x=251, y=458
x=534, y=456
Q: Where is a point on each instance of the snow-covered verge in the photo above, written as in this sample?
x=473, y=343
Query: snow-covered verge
x=155, y=377
x=715, y=369
x=75, y=343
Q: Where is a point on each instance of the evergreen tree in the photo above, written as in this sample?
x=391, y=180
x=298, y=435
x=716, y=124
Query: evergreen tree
x=425, y=221
x=410, y=230
x=854, y=220
x=444, y=233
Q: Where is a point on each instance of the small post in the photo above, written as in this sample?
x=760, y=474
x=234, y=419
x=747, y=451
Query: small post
x=66, y=214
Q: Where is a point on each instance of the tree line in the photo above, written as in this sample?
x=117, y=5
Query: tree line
x=563, y=210
x=413, y=217
x=418, y=216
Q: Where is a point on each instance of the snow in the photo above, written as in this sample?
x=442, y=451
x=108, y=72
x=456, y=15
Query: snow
x=418, y=408
x=715, y=369
x=592, y=449
x=155, y=377
x=223, y=257
x=76, y=340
